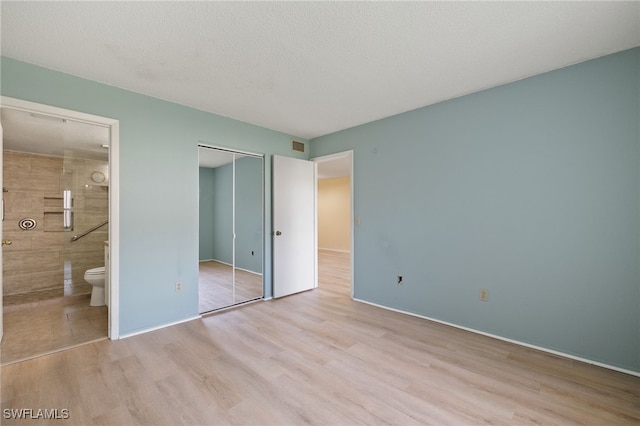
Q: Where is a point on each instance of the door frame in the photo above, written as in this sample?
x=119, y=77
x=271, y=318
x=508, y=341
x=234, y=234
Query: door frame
x=114, y=192
x=344, y=155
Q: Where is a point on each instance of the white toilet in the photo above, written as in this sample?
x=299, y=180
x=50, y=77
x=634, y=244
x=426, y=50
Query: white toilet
x=95, y=277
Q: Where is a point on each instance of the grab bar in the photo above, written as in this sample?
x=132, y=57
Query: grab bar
x=88, y=231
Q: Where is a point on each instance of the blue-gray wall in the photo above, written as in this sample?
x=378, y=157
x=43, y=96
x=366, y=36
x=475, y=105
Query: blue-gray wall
x=249, y=231
x=222, y=217
x=530, y=190
x=158, y=184
x=205, y=217
x=216, y=213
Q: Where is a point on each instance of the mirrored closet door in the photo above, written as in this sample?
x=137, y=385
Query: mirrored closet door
x=231, y=227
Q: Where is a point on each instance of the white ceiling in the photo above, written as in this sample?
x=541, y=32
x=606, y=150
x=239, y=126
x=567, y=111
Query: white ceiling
x=312, y=68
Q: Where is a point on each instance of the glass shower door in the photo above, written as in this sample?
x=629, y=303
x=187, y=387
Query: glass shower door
x=85, y=217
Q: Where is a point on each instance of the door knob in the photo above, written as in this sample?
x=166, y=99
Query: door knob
x=278, y=233
x=7, y=242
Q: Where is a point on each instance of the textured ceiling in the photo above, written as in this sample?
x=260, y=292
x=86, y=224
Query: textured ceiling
x=312, y=68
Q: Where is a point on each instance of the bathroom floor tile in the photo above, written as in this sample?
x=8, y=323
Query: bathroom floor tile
x=36, y=329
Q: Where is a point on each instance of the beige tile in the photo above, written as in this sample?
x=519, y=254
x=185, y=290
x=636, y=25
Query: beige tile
x=53, y=222
x=16, y=283
x=16, y=162
x=50, y=240
x=22, y=202
x=46, y=166
x=47, y=279
x=37, y=261
x=20, y=241
x=32, y=182
x=38, y=328
x=77, y=288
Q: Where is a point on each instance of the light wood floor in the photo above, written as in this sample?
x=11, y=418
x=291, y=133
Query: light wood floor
x=217, y=288
x=320, y=358
x=38, y=328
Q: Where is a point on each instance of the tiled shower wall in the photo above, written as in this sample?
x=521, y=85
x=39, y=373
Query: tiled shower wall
x=34, y=264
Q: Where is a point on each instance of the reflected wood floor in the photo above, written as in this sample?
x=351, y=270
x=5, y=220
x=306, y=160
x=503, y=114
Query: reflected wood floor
x=318, y=357
x=216, y=290
x=38, y=328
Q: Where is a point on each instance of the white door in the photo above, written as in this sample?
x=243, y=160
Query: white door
x=294, y=226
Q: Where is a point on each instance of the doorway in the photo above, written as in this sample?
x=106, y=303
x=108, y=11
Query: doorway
x=335, y=222
x=231, y=223
x=59, y=191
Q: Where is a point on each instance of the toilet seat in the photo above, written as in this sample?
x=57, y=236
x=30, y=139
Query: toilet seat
x=95, y=271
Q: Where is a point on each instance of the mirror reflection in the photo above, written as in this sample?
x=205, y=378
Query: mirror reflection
x=230, y=224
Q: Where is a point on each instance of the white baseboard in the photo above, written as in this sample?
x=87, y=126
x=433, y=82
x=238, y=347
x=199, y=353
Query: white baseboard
x=505, y=339
x=336, y=250
x=250, y=272
x=214, y=260
x=147, y=330
x=228, y=264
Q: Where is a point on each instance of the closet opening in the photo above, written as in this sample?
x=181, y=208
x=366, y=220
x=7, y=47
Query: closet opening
x=231, y=228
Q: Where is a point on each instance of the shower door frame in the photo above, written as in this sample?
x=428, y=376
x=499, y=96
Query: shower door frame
x=114, y=192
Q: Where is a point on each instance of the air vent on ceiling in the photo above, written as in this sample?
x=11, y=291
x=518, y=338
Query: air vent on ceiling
x=297, y=146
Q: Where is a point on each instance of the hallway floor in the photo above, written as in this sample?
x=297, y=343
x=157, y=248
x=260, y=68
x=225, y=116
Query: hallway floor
x=40, y=328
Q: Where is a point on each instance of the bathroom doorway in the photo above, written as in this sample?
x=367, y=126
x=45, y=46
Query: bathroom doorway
x=56, y=189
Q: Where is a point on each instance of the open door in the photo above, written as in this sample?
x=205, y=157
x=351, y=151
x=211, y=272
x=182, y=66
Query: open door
x=294, y=226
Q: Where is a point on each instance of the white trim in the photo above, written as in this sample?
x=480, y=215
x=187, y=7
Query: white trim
x=335, y=250
x=216, y=260
x=506, y=339
x=230, y=307
x=158, y=327
x=248, y=271
x=114, y=191
x=230, y=150
x=315, y=224
x=331, y=157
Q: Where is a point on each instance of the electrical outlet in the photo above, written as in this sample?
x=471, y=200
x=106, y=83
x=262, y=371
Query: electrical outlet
x=484, y=295
x=178, y=285
x=399, y=280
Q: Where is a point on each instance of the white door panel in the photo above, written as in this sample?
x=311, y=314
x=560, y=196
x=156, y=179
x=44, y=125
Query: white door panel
x=294, y=226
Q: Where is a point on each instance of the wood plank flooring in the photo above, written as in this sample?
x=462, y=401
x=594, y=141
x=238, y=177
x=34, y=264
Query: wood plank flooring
x=317, y=357
x=216, y=288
